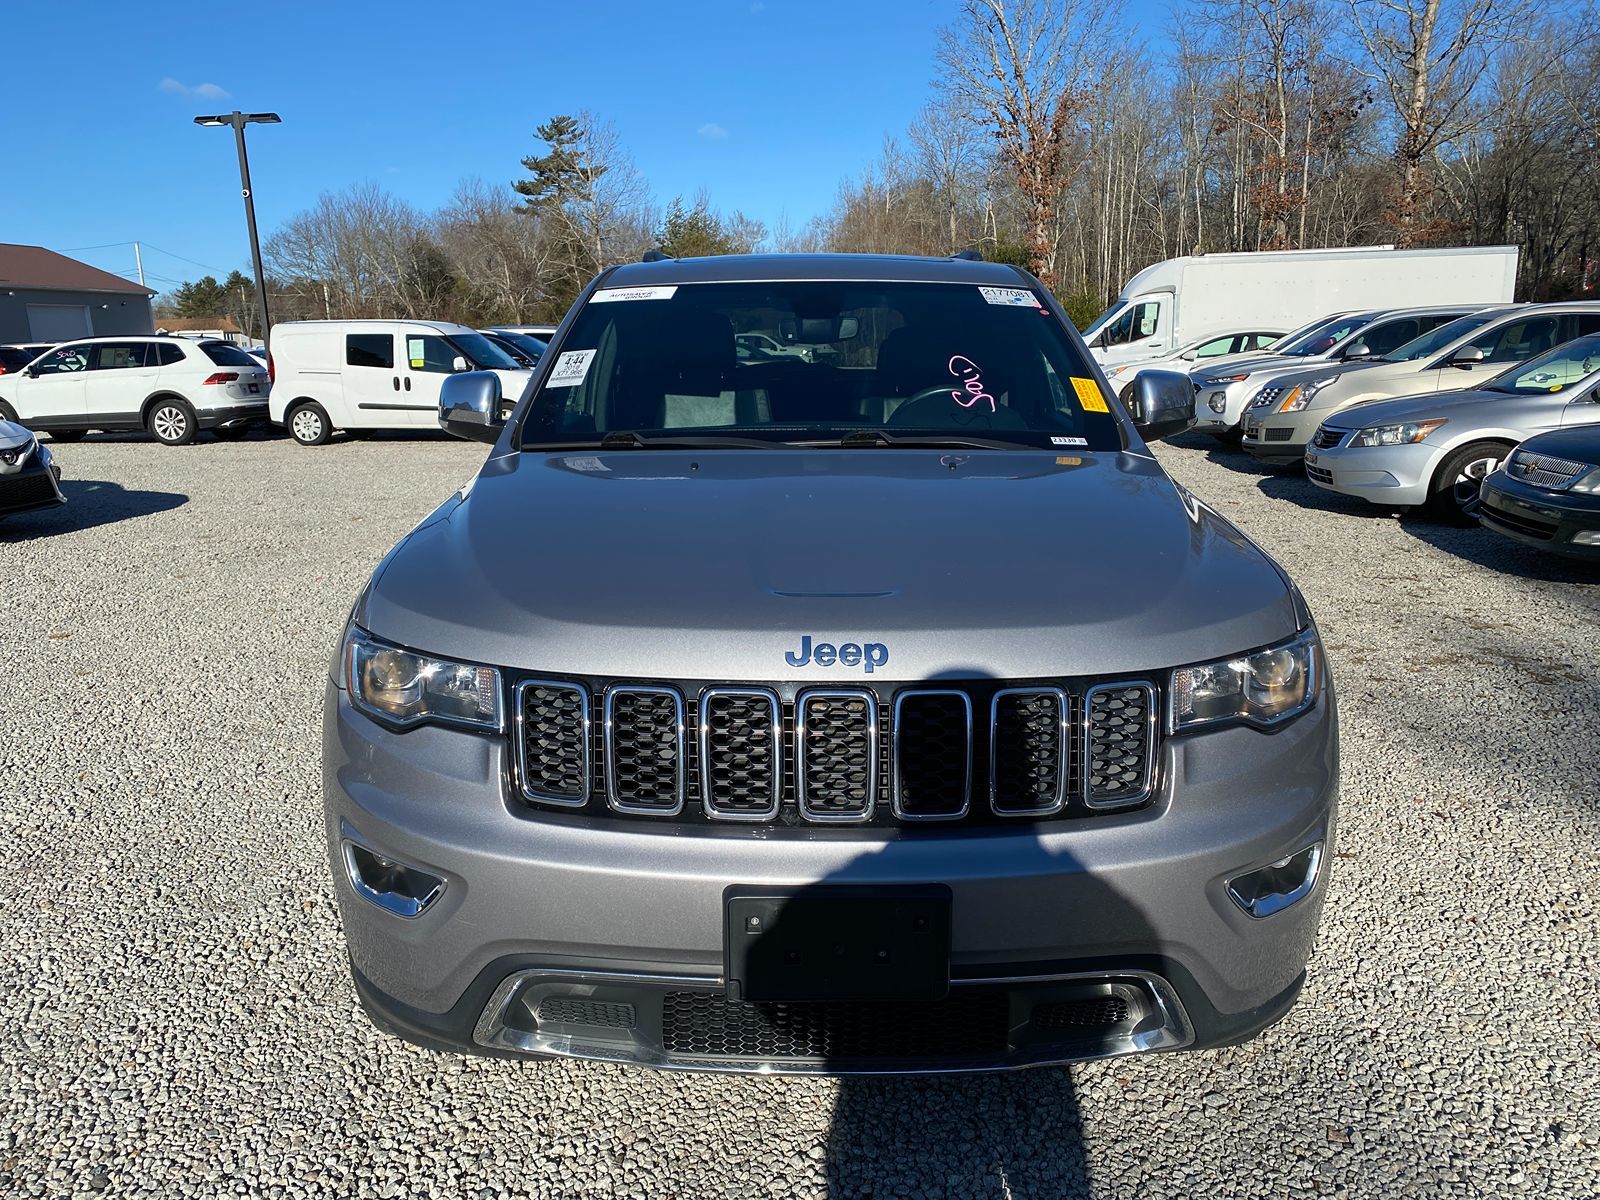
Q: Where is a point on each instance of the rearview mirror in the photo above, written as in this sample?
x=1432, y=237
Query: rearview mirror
x=1161, y=403
x=1467, y=356
x=469, y=406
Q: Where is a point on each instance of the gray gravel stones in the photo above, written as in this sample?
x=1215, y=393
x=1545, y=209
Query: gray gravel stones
x=178, y=1021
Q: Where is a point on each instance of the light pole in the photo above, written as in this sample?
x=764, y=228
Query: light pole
x=239, y=120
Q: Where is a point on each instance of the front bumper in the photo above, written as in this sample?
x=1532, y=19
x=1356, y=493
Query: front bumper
x=1278, y=437
x=36, y=486
x=1387, y=475
x=538, y=905
x=1217, y=409
x=232, y=416
x=1539, y=517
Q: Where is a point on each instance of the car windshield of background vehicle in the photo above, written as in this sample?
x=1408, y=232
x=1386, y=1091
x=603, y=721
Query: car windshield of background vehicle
x=1555, y=371
x=1432, y=343
x=1325, y=336
x=481, y=353
x=814, y=362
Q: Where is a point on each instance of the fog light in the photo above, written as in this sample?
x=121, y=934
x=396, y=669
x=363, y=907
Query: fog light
x=393, y=887
x=1274, y=887
x=1586, y=537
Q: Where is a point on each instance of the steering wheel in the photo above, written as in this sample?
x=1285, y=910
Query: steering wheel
x=976, y=417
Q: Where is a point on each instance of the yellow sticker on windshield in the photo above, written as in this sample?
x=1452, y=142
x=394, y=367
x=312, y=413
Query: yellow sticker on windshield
x=1089, y=395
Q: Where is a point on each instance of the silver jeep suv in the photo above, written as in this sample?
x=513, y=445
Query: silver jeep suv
x=837, y=712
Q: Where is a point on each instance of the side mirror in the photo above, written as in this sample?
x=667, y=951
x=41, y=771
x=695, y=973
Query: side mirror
x=1357, y=349
x=1161, y=404
x=469, y=406
x=31, y=372
x=1466, y=357
x=459, y=364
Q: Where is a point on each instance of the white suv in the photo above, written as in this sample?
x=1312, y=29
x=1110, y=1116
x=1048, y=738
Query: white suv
x=172, y=387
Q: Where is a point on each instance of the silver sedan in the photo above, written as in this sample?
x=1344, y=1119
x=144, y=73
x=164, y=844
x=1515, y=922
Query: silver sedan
x=1435, y=450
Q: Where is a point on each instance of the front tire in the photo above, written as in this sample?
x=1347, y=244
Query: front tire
x=1455, y=483
x=308, y=424
x=171, y=422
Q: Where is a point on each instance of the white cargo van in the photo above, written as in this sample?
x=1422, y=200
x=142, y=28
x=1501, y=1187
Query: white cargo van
x=329, y=375
x=1183, y=300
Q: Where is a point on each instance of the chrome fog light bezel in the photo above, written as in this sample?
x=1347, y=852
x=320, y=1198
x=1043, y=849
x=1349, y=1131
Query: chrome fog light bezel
x=1259, y=905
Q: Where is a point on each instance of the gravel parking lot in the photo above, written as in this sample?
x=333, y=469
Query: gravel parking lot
x=179, y=1020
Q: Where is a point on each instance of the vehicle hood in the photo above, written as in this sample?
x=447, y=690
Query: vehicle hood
x=1490, y=409
x=1580, y=443
x=715, y=564
x=13, y=435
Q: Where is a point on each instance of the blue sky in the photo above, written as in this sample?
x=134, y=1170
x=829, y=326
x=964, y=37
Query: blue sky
x=767, y=104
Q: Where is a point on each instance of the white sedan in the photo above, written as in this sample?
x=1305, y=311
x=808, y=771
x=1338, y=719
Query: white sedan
x=1185, y=358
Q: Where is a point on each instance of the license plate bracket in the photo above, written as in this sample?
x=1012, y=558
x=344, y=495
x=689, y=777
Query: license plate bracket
x=837, y=942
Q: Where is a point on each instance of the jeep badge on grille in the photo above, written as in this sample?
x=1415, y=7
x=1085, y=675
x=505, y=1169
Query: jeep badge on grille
x=869, y=656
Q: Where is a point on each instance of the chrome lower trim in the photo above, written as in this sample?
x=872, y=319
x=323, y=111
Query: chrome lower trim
x=801, y=797
x=1269, y=906
x=775, y=707
x=407, y=908
x=528, y=793
x=1171, y=1031
x=626, y=806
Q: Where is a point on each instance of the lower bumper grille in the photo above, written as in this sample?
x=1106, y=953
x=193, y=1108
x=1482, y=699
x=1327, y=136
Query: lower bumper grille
x=1319, y=474
x=1532, y=527
x=709, y=1025
x=973, y=750
x=28, y=489
x=1279, y=435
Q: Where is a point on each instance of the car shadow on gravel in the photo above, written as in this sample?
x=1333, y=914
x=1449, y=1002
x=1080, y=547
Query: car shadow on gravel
x=1229, y=456
x=1288, y=484
x=90, y=504
x=1505, y=556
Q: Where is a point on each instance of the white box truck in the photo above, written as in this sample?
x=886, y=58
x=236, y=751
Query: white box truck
x=1182, y=300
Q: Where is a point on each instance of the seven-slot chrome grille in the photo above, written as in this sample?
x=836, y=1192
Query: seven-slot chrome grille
x=1545, y=470
x=886, y=755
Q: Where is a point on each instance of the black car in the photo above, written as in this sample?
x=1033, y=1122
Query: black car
x=1548, y=493
x=28, y=478
x=14, y=358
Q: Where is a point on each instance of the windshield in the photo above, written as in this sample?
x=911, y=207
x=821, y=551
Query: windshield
x=482, y=353
x=1324, y=335
x=1432, y=343
x=1554, y=371
x=1096, y=325
x=914, y=360
x=525, y=342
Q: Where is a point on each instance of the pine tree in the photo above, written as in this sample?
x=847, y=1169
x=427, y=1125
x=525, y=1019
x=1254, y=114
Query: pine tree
x=562, y=175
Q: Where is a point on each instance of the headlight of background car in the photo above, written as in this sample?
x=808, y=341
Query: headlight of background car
x=1303, y=394
x=404, y=688
x=1223, y=380
x=1395, y=435
x=1262, y=688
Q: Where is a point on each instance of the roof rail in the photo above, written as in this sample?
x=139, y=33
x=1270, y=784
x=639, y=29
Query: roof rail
x=968, y=255
x=656, y=255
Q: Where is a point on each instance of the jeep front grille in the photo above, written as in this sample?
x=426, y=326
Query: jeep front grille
x=970, y=750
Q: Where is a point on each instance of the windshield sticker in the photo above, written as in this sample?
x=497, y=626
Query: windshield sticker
x=638, y=293
x=1089, y=395
x=1010, y=297
x=1069, y=441
x=570, y=369
x=964, y=369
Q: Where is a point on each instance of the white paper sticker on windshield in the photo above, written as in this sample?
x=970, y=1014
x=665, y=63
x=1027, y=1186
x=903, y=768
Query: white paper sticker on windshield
x=638, y=293
x=1069, y=441
x=570, y=369
x=1016, y=297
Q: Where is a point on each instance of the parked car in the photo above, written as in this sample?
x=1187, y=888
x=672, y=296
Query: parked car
x=173, y=387
x=765, y=347
x=1285, y=413
x=1243, y=345
x=526, y=349
x=14, y=357
x=1222, y=392
x=29, y=478
x=332, y=375
x=734, y=694
x=1436, y=449
x=1548, y=493
x=1183, y=300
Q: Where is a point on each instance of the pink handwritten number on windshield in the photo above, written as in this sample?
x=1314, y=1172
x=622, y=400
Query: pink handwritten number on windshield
x=964, y=369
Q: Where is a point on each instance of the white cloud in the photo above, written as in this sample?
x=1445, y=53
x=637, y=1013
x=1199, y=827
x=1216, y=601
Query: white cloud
x=712, y=130
x=208, y=91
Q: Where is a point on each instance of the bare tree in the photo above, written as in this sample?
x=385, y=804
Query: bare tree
x=1027, y=68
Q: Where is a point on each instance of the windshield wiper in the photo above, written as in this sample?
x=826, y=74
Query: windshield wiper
x=878, y=437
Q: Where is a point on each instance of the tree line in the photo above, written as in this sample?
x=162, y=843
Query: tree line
x=1057, y=138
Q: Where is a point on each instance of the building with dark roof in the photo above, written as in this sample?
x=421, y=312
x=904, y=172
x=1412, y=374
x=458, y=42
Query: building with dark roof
x=48, y=297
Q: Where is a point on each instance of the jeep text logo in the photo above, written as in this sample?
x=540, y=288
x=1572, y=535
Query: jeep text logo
x=851, y=654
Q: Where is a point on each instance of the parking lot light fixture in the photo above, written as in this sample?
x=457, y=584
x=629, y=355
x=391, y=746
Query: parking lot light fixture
x=239, y=120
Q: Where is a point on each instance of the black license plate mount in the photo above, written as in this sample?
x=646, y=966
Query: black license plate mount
x=837, y=943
